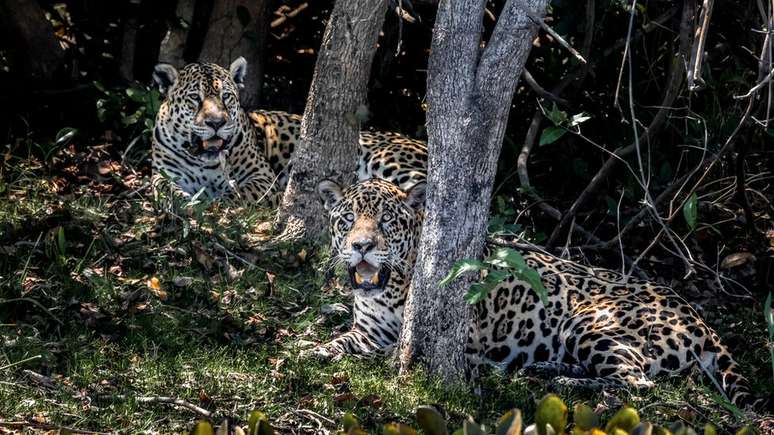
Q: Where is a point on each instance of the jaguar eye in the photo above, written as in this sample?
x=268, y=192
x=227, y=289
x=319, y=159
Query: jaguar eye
x=349, y=217
x=386, y=217
x=195, y=97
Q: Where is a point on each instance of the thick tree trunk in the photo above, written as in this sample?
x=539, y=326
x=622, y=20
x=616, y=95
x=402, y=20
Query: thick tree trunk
x=239, y=28
x=330, y=129
x=469, y=100
x=174, y=42
x=35, y=46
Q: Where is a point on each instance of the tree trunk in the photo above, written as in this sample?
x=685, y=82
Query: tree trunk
x=174, y=42
x=239, y=28
x=330, y=129
x=129, y=39
x=36, y=48
x=469, y=99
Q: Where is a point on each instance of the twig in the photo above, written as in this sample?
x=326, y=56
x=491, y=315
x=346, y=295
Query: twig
x=309, y=412
x=695, y=81
x=538, y=20
x=33, y=301
x=626, y=54
x=670, y=94
x=534, y=126
x=163, y=399
x=540, y=90
x=32, y=358
x=757, y=87
x=45, y=426
x=278, y=21
x=241, y=260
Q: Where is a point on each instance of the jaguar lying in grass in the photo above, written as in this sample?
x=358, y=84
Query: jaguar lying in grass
x=599, y=329
x=204, y=139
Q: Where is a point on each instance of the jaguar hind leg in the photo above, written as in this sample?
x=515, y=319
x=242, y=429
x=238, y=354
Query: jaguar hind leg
x=551, y=369
x=611, y=382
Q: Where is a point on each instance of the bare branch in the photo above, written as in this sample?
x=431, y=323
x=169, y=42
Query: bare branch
x=538, y=20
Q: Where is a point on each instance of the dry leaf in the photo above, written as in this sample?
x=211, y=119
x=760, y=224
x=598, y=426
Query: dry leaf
x=202, y=257
x=736, y=259
x=154, y=285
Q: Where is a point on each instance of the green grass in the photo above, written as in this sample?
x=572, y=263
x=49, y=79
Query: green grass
x=74, y=295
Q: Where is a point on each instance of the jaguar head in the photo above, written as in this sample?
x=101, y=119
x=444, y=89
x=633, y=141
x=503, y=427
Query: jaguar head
x=374, y=227
x=201, y=105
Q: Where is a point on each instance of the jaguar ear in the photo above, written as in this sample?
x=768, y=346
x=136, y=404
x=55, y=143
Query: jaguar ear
x=415, y=196
x=165, y=76
x=238, y=71
x=330, y=192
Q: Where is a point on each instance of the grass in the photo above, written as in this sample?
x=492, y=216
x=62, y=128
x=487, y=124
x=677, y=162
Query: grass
x=79, y=302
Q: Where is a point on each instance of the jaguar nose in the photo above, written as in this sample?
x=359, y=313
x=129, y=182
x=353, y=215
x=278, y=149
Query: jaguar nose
x=363, y=245
x=216, y=123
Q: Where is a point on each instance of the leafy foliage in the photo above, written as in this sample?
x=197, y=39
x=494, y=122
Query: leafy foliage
x=551, y=418
x=501, y=264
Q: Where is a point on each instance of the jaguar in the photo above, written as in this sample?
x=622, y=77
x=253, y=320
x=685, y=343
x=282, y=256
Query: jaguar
x=599, y=329
x=203, y=140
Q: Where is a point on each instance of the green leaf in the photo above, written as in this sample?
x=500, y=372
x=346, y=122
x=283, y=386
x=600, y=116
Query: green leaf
x=253, y=422
x=398, y=429
x=64, y=136
x=558, y=117
x=506, y=258
x=61, y=243
x=690, y=212
x=349, y=422
x=459, y=268
x=136, y=94
x=509, y=423
x=471, y=428
x=202, y=428
x=551, y=135
x=431, y=421
x=533, y=278
x=479, y=290
x=551, y=413
x=585, y=417
x=100, y=87
x=243, y=15
x=154, y=102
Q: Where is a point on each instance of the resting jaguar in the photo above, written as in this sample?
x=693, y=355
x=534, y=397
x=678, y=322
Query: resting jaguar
x=598, y=330
x=203, y=139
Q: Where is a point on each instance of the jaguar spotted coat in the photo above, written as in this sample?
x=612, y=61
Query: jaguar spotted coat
x=204, y=140
x=599, y=329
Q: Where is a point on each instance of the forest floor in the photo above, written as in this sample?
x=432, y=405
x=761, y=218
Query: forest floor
x=108, y=304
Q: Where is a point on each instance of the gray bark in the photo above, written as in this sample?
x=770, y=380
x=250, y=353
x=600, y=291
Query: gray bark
x=173, y=44
x=469, y=96
x=36, y=48
x=330, y=129
x=228, y=37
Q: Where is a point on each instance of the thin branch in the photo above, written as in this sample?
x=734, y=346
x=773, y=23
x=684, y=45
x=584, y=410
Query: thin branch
x=756, y=88
x=163, y=399
x=538, y=20
x=542, y=91
x=695, y=81
x=670, y=94
x=534, y=127
x=278, y=21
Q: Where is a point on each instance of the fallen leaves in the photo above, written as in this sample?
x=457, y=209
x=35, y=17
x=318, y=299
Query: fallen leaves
x=154, y=285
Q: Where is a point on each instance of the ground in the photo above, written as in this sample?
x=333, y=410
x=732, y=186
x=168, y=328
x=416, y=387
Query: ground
x=106, y=301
